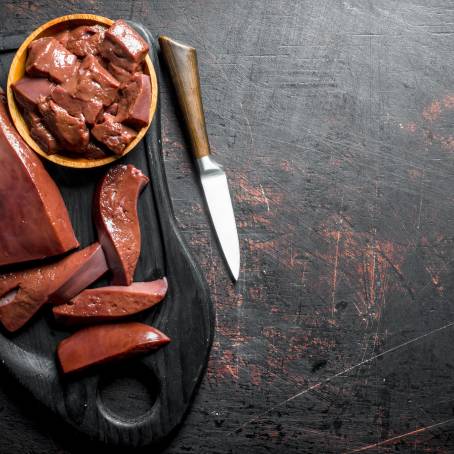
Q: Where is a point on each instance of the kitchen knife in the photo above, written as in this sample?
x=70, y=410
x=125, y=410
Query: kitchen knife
x=182, y=63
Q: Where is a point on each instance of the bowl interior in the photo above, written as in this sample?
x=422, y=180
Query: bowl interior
x=17, y=71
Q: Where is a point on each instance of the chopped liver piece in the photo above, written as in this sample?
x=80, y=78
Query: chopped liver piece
x=24, y=292
x=112, y=109
x=116, y=220
x=113, y=134
x=123, y=46
x=93, y=151
x=86, y=85
x=62, y=37
x=38, y=226
x=41, y=134
x=96, y=345
x=85, y=40
x=90, y=109
x=134, y=104
x=95, y=82
x=119, y=73
x=28, y=91
x=71, y=131
x=48, y=58
x=110, y=303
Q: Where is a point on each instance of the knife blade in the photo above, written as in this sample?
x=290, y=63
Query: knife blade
x=182, y=63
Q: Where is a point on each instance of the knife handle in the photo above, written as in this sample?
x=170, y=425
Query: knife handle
x=184, y=71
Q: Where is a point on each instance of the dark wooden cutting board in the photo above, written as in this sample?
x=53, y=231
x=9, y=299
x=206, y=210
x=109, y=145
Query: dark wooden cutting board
x=142, y=400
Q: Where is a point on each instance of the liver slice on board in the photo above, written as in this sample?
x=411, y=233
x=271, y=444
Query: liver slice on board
x=99, y=344
x=116, y=220
x=111, y=303
x=23, y=293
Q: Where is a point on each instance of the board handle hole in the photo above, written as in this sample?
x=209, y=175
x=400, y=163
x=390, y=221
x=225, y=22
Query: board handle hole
x=127, y=392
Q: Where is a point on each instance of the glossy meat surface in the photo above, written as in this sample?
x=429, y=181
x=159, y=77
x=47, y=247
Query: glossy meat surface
x=90, y=109
x=103, y=343
x=95, y=82
x=113, y=134
x=71, y=131
x=22, y=293
x=110, y=303
x=84, y=40
x=47, y=57
x=117, y=222
x=123, y=46
x=28, y=91
x=23, y=178
x=134, y=104
x=86, y=85
x=40, y=133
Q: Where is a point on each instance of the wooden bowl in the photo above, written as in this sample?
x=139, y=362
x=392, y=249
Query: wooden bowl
x=17, y=71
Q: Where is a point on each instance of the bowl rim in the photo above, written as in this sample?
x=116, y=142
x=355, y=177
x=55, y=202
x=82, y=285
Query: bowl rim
x=18, y=119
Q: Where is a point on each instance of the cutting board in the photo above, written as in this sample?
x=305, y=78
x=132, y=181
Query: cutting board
x=142, y=400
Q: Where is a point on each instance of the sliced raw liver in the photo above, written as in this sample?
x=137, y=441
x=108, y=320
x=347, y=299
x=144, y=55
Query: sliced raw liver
x=47, y=57
x=100, y=344
x=90, y=109
x=71, y=131
x=113, y=134
x=84, y=40
x=112, y=109
x=95, y=82
x=28, y=91
x=134, y=104
x=110, y=303
x=35, y=223
x=117, y=222
x=24, y=292
x=123, y=46
x=40, y=133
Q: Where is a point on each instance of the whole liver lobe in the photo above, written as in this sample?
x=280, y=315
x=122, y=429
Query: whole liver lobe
x=35, y=221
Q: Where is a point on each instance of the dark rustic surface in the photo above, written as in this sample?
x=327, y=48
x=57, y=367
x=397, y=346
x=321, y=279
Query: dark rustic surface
x=334, y=120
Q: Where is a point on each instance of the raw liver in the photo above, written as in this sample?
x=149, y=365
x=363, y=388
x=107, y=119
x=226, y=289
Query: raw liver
x=84, y=40
x=113, y=134
x=90, y=109
x=123, y=46
x=38, y=226
x=121, y=74
x=116, y=220
x=24, y=292
x=40, y=133
x=47, y=57
x=93, y=151
x=71, y=131
x=100, y=344
x=110, y=303
x=29, y=90
x=75, y=92
x=62, y=37
x=134, y=104
x=95, y=82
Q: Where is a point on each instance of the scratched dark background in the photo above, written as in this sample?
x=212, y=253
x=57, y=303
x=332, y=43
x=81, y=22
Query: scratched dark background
x=334, y=119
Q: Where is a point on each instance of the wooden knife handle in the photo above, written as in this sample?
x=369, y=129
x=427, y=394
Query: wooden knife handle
x=184, y=71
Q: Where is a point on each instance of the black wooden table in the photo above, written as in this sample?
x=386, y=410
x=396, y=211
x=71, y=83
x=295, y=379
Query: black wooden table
x=334, y=119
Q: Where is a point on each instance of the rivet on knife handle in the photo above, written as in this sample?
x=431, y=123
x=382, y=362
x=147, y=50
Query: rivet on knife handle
x=183, y=67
